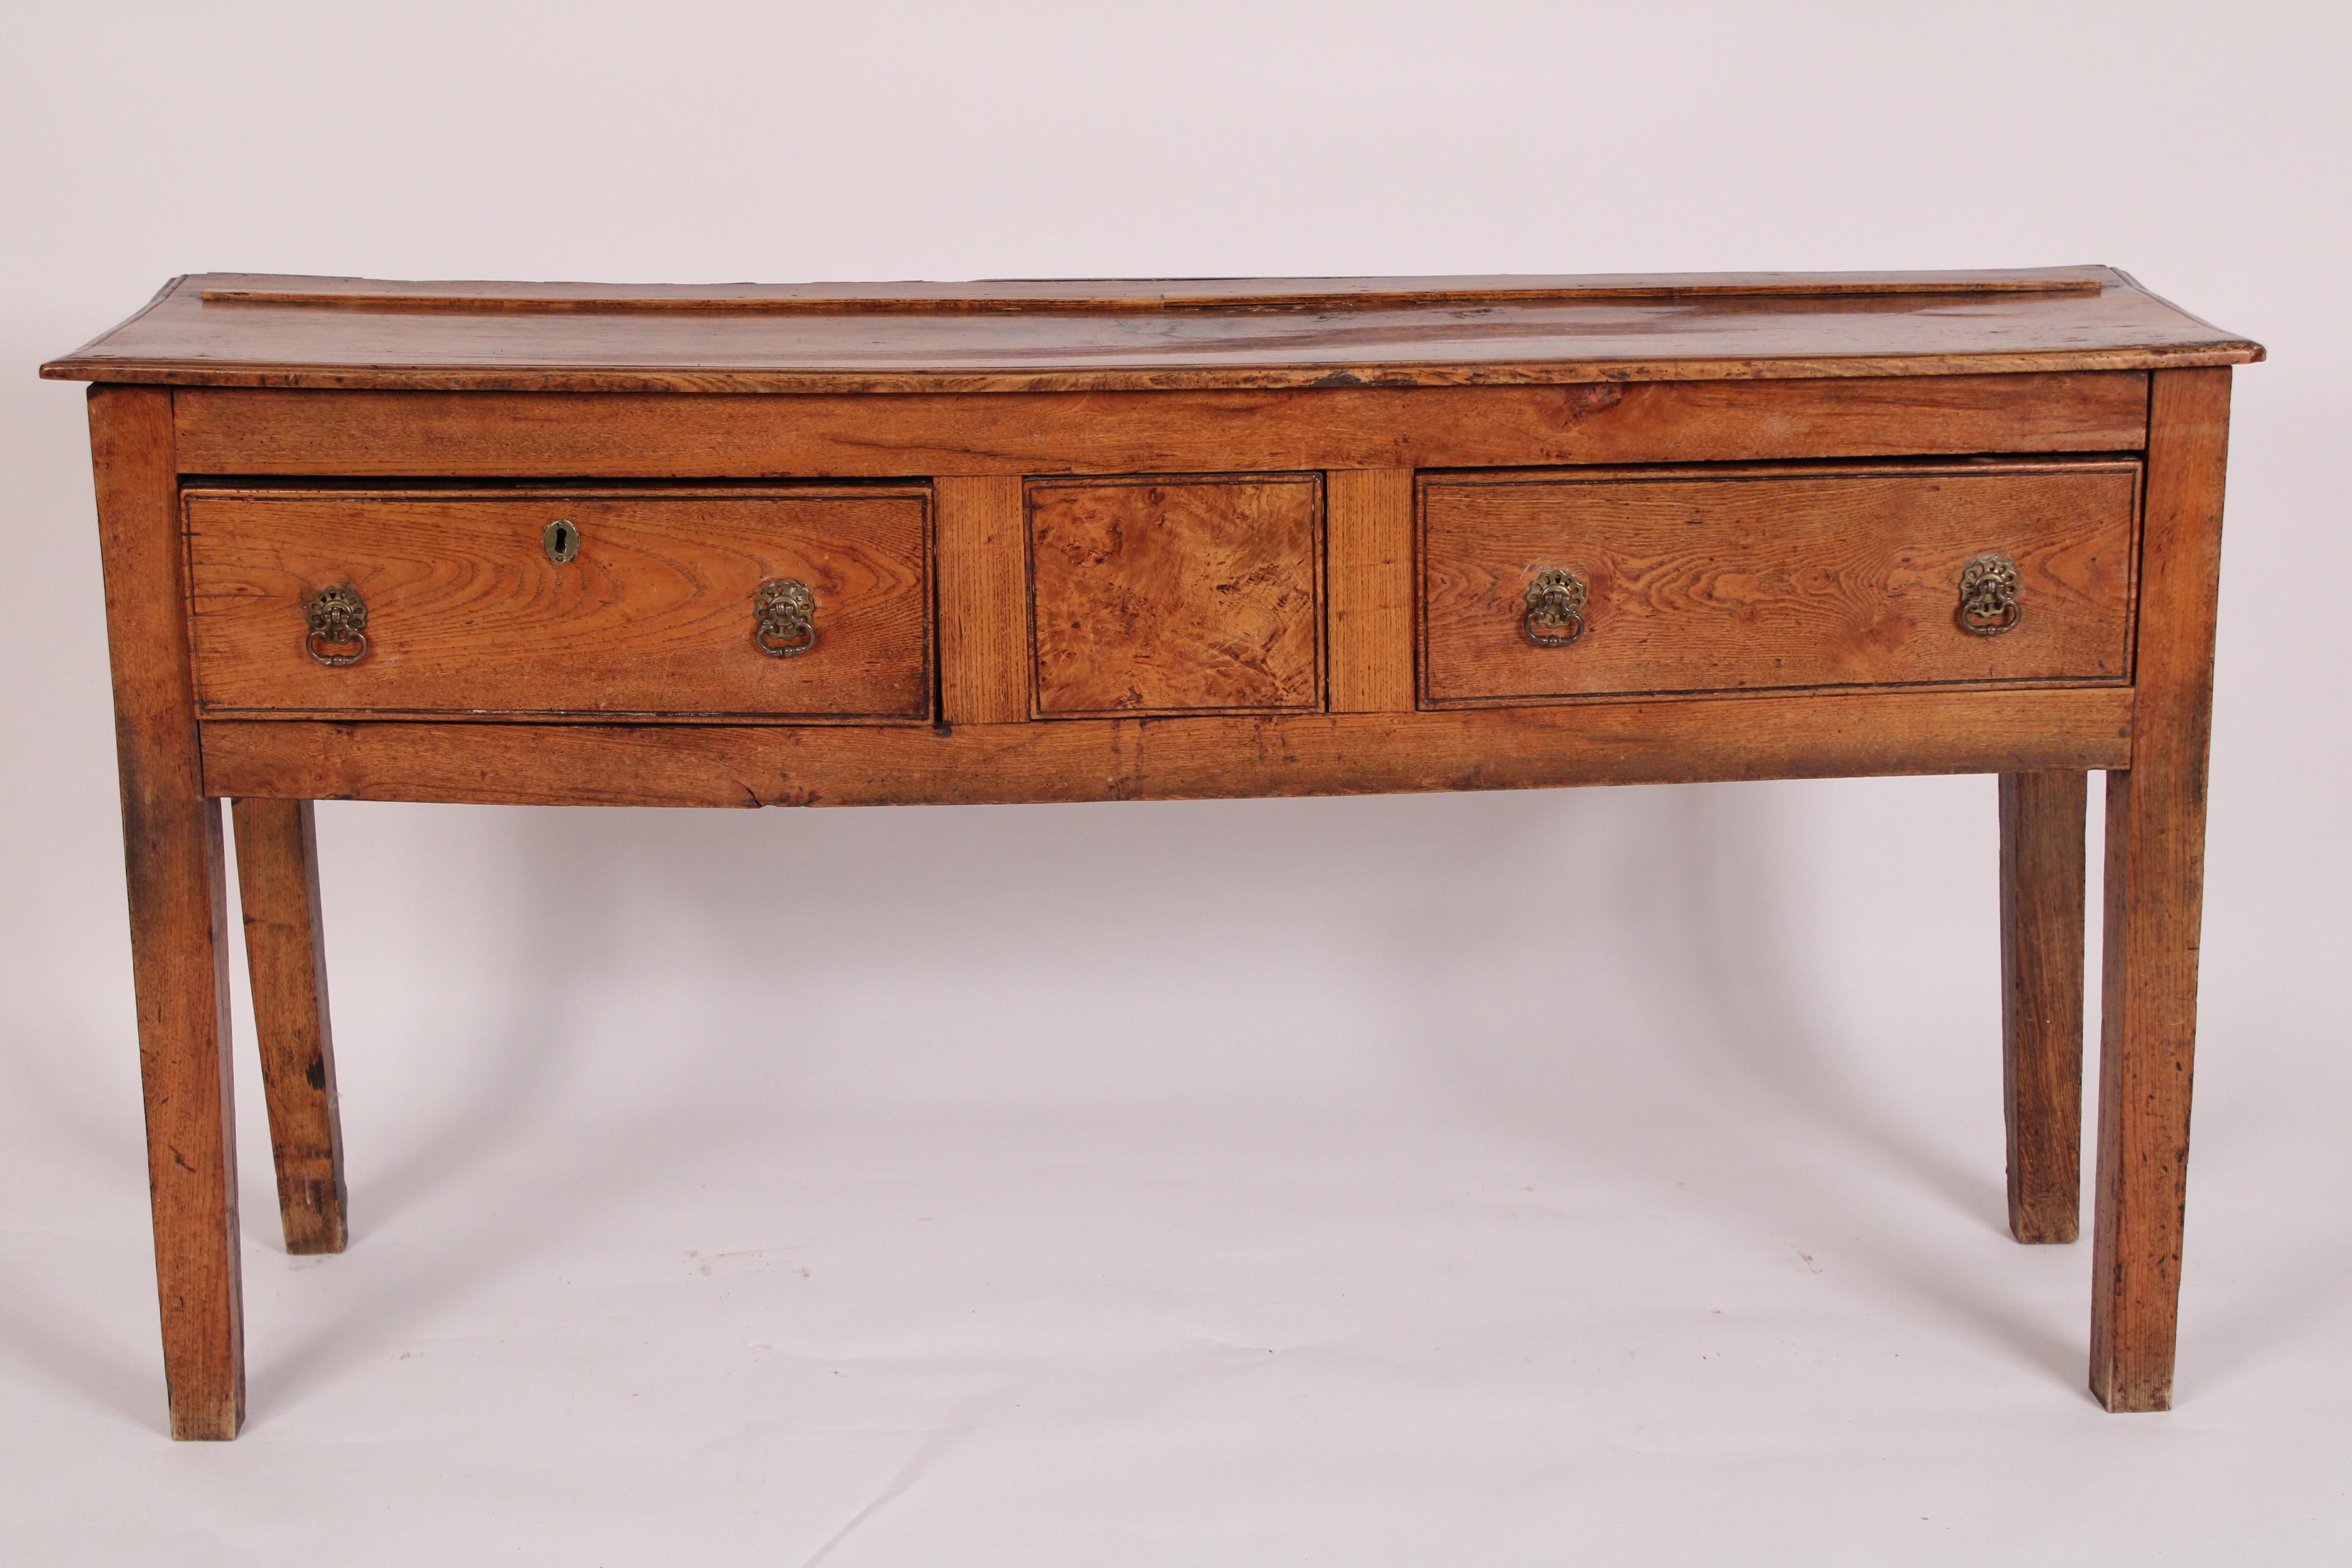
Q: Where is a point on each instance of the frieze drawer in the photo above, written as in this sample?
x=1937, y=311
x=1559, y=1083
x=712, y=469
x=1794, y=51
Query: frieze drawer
x=1616, y=582
x=794, y=604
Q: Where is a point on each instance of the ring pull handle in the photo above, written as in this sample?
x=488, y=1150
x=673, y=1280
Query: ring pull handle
x=337, y=618
x=1989, y=602
x=786, y=617
x=1555, y=608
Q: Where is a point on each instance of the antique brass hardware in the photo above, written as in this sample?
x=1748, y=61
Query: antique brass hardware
x=787, y=619
x=1555, y=608
x=1989, y=603
x=337, y=618
x=560, y=540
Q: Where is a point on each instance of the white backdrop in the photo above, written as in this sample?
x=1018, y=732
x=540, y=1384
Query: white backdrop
x=1607, y=1176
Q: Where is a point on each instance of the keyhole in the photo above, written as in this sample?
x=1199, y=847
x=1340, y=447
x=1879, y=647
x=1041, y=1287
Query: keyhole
x=562, y=540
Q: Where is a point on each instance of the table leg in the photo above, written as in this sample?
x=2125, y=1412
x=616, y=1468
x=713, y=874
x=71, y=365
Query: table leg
x=278, y=882
x=173, y=862
x=2042, y=923
x=2155, y=881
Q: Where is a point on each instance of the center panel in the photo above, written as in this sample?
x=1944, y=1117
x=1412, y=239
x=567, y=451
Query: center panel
x=1186, y=594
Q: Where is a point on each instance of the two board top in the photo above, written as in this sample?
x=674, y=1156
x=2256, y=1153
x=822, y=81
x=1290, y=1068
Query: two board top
x=252, y=330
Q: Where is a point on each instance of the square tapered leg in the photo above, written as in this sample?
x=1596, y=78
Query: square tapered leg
x=173, y=862
x=2042, y=927
x=2155, y=885
x=277, y=883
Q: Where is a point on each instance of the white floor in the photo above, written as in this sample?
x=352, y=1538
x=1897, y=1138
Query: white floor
x=1609, y=1177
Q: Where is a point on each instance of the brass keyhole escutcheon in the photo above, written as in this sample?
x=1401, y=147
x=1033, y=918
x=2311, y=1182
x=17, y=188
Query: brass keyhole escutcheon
x=562, y=540
x=1989, y=602
x=1555, y=608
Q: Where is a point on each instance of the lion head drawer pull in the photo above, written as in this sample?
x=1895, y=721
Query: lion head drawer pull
x=338, y=625
x=1555, y=608
x=787, y=619
x=1989, y=603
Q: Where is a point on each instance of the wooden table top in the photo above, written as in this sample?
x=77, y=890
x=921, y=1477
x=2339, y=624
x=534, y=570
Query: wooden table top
x=248, y=330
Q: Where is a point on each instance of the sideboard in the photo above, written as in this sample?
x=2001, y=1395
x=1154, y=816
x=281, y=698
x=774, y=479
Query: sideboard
x=812, y=545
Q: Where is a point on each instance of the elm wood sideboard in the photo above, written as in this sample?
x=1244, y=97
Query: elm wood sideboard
x=1074, y=540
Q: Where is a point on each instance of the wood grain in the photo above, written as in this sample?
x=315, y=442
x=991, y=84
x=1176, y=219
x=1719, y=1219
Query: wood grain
x=1824, y=736
x=1655, y=329
x=284, y=950
x=2042, y=818
x=468, y=614
x=2155, y=885
x=1763, y=579
x=983, y=567
x=1168, y=595
x=173, y=863
x=648, y=436
x=1370, y=556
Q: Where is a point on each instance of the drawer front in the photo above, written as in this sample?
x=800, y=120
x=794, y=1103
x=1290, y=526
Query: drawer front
x=1176, y=595
x=1770, y=579
x=643, y=603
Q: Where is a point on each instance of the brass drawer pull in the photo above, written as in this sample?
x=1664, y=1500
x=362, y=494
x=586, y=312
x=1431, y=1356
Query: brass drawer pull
x=1989, y=603
x=338, y=619
x=787, y=619
x=1555, y=608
